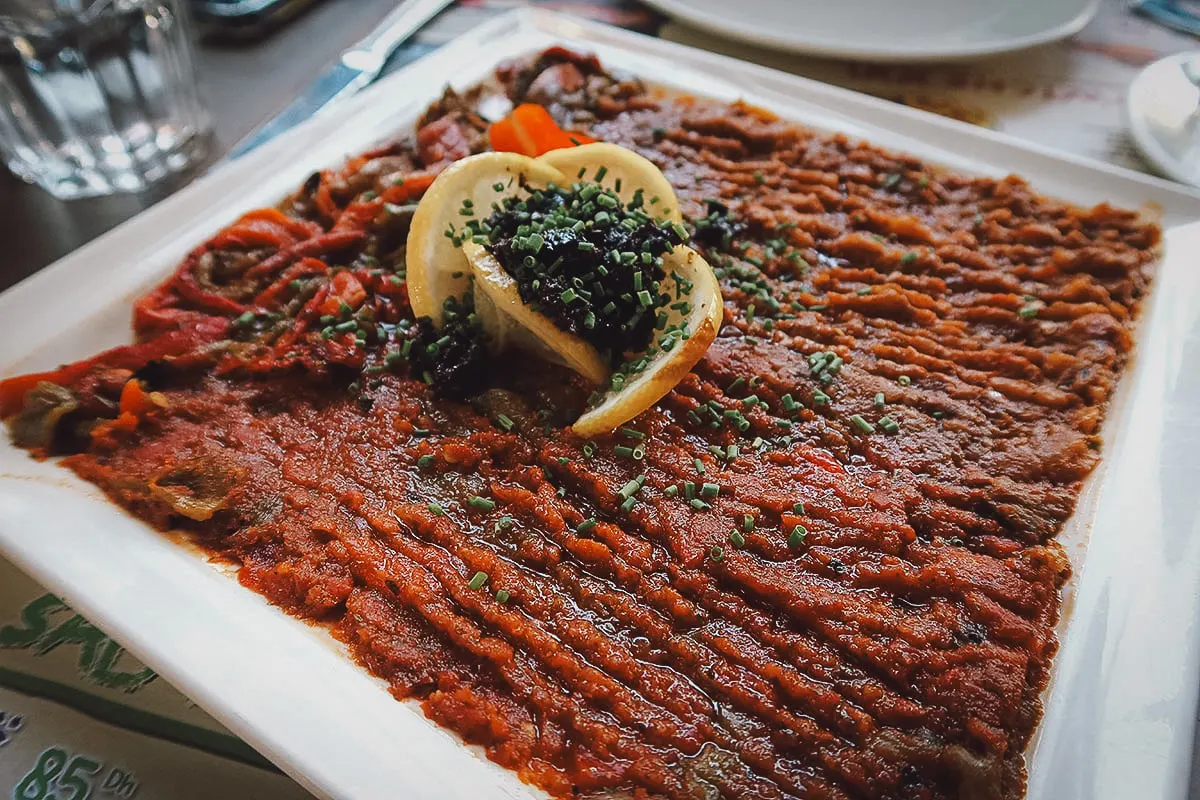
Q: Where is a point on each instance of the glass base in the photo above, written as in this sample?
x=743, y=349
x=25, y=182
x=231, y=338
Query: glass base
x=119, y=174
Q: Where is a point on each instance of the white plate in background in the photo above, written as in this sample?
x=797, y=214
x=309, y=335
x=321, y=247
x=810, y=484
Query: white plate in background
x=887, y=30
x=1122, y=699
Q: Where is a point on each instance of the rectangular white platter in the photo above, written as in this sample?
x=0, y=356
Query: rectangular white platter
x=1122, y=700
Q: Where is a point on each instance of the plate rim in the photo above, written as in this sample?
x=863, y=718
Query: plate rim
x=733, y=28
x=277, y=154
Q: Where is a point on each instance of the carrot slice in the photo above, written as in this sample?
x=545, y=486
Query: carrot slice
x=542, y=130
x=531, y=131
x=507, y=138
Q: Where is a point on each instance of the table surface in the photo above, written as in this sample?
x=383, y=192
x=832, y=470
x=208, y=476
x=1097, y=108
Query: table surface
x=40, y=229
x=1062, y=95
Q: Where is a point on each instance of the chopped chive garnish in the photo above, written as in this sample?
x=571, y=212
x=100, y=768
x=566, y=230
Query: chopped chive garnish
x=478, y=580
x=505, y=422
x=736, y=384
x=716, y=553
x=709, y=490
x=699, y=504
x=796, y=537
x=482, y=503
x=671, y=490
x=689, y=490
x=861, y=424
x=585, y=526
x=747, y=522
x=908, y=257
x=699, y=465
x=633, y=434
x=436, y=510
x=623, y=451
x=502, y=596
x=737, y=539
x=426, y=461
x=904, y=380
x=889, y=425
x=631, y=488
x=798, y=507
x=504, y=523
x=879, y=400
x=628, y=505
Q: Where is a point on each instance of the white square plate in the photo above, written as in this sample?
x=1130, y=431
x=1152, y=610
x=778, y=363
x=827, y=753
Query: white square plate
x=1121, y=705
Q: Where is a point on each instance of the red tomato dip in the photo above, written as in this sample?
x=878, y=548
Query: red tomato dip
x=823, y=566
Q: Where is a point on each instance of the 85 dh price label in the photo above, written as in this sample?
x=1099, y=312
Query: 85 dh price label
x=58, y=775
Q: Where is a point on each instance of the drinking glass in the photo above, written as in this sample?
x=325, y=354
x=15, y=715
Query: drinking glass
x=98, y=96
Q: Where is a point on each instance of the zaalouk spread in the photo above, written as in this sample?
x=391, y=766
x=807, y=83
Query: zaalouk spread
x=823, y=566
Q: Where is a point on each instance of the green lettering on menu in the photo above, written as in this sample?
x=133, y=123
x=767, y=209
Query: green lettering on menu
x=98, y=654
x=35, y=621
x=102, y=671
x=75, y=630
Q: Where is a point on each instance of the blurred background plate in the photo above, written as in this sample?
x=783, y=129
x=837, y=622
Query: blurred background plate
x=885, y=30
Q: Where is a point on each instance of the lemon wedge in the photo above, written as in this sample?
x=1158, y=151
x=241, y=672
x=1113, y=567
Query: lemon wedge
x=623, y=171
x=443, y=262
x=664, y=368
x=511, y=323
x=437, y=268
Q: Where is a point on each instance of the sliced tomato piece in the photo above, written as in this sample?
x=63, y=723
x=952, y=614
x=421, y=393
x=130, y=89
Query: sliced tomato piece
x=345, y=288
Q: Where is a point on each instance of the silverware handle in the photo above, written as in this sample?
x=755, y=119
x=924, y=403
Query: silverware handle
x=398, y=26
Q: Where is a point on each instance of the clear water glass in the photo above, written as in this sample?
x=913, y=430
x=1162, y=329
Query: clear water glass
x=98, y=96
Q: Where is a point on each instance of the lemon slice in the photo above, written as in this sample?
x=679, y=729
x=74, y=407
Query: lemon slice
x=623, y=168
x=665, y=368
x=437, y=268
x=510, y=322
